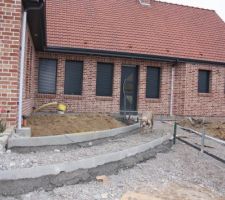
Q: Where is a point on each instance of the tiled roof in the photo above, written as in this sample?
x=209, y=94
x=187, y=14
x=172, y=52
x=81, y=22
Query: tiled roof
x=163, y=29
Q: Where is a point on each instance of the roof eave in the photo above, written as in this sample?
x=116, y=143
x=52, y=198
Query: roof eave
x=31, y=3
x=36, y=22
x=83, y=51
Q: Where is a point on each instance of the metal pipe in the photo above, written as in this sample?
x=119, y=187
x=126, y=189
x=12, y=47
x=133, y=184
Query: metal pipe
x=172, y=91
x=174, y=133
x=206, y=136
x=203, y=136
x=125, y=97
x=206, y=152
x=22, y=61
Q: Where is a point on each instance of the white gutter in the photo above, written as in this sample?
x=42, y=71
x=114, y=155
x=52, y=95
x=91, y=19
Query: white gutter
x=22, y=61
x=172, y=91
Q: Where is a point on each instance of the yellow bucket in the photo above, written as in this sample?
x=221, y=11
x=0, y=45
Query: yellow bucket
x=61, y=107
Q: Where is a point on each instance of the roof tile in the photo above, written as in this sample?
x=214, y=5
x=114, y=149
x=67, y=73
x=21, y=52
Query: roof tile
x=163, y=29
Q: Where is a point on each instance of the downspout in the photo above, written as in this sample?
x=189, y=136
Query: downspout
x=22, y=61
x=172, y=90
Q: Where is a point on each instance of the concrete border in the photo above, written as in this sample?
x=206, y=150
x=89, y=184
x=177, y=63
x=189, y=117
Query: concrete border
x=68, y=138
x=4, y=138
x=23, y=132
x=18, y=181
x=35, y=172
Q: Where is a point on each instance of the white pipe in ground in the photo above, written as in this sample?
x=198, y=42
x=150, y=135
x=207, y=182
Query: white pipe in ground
x=22, y=61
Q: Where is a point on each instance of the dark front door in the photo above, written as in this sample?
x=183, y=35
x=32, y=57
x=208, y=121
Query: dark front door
x=129, y=82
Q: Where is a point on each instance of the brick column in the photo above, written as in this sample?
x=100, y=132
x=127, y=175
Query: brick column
x=141, y=97
x=89, y=84
x=10, y=17
x=60, y=77
x=116, y=86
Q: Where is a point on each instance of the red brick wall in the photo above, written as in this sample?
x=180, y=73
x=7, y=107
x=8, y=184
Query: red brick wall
x=211, y=104
x=10, y=23
x=158, y=106
x=89, y=102
x=28, y=89
x=179, y=89
x=187, y=100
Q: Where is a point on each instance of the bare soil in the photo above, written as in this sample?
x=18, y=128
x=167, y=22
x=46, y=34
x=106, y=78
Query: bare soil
x=213, y=128
x=174, y=191
x=55, y=124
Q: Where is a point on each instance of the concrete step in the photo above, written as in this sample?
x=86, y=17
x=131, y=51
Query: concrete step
x=45, y=167
x=74, y=138
x=75, y=141
x=26, y=157
x=24, y=180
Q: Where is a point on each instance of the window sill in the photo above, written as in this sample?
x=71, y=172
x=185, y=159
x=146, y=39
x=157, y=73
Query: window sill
x=153, y=100
x=204, y=94
x=104, y=98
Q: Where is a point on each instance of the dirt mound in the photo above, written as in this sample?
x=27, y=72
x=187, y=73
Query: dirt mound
x=43, y=125
x=214, y=128
x=175, y=192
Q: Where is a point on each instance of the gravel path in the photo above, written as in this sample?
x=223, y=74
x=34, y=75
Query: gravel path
x=182, y=165
x=17, y=160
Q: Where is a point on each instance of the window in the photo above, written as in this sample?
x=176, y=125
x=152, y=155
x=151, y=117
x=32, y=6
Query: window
x=104, y=79
x=203, y=81
x=47, y=76
x=153, y=82
x=73, y=77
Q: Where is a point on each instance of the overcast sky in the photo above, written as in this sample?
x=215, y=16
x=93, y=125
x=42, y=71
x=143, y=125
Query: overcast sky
x=217, y=5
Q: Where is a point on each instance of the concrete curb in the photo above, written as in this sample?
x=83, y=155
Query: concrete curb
x=67, y=138
x=87, y=163
x=4, y=138
x=20, y=181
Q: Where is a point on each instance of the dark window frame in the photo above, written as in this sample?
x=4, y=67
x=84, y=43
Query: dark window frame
x=82, y=78
x=40, y=92
x=112, y=78
x=148, y=87
x=207, y=88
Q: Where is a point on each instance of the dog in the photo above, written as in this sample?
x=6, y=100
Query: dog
x=146, y=120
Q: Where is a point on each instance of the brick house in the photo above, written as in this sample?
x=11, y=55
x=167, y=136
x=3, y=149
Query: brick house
x=110, y=56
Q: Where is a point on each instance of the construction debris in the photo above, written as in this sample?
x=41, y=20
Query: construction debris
x=102, y=178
